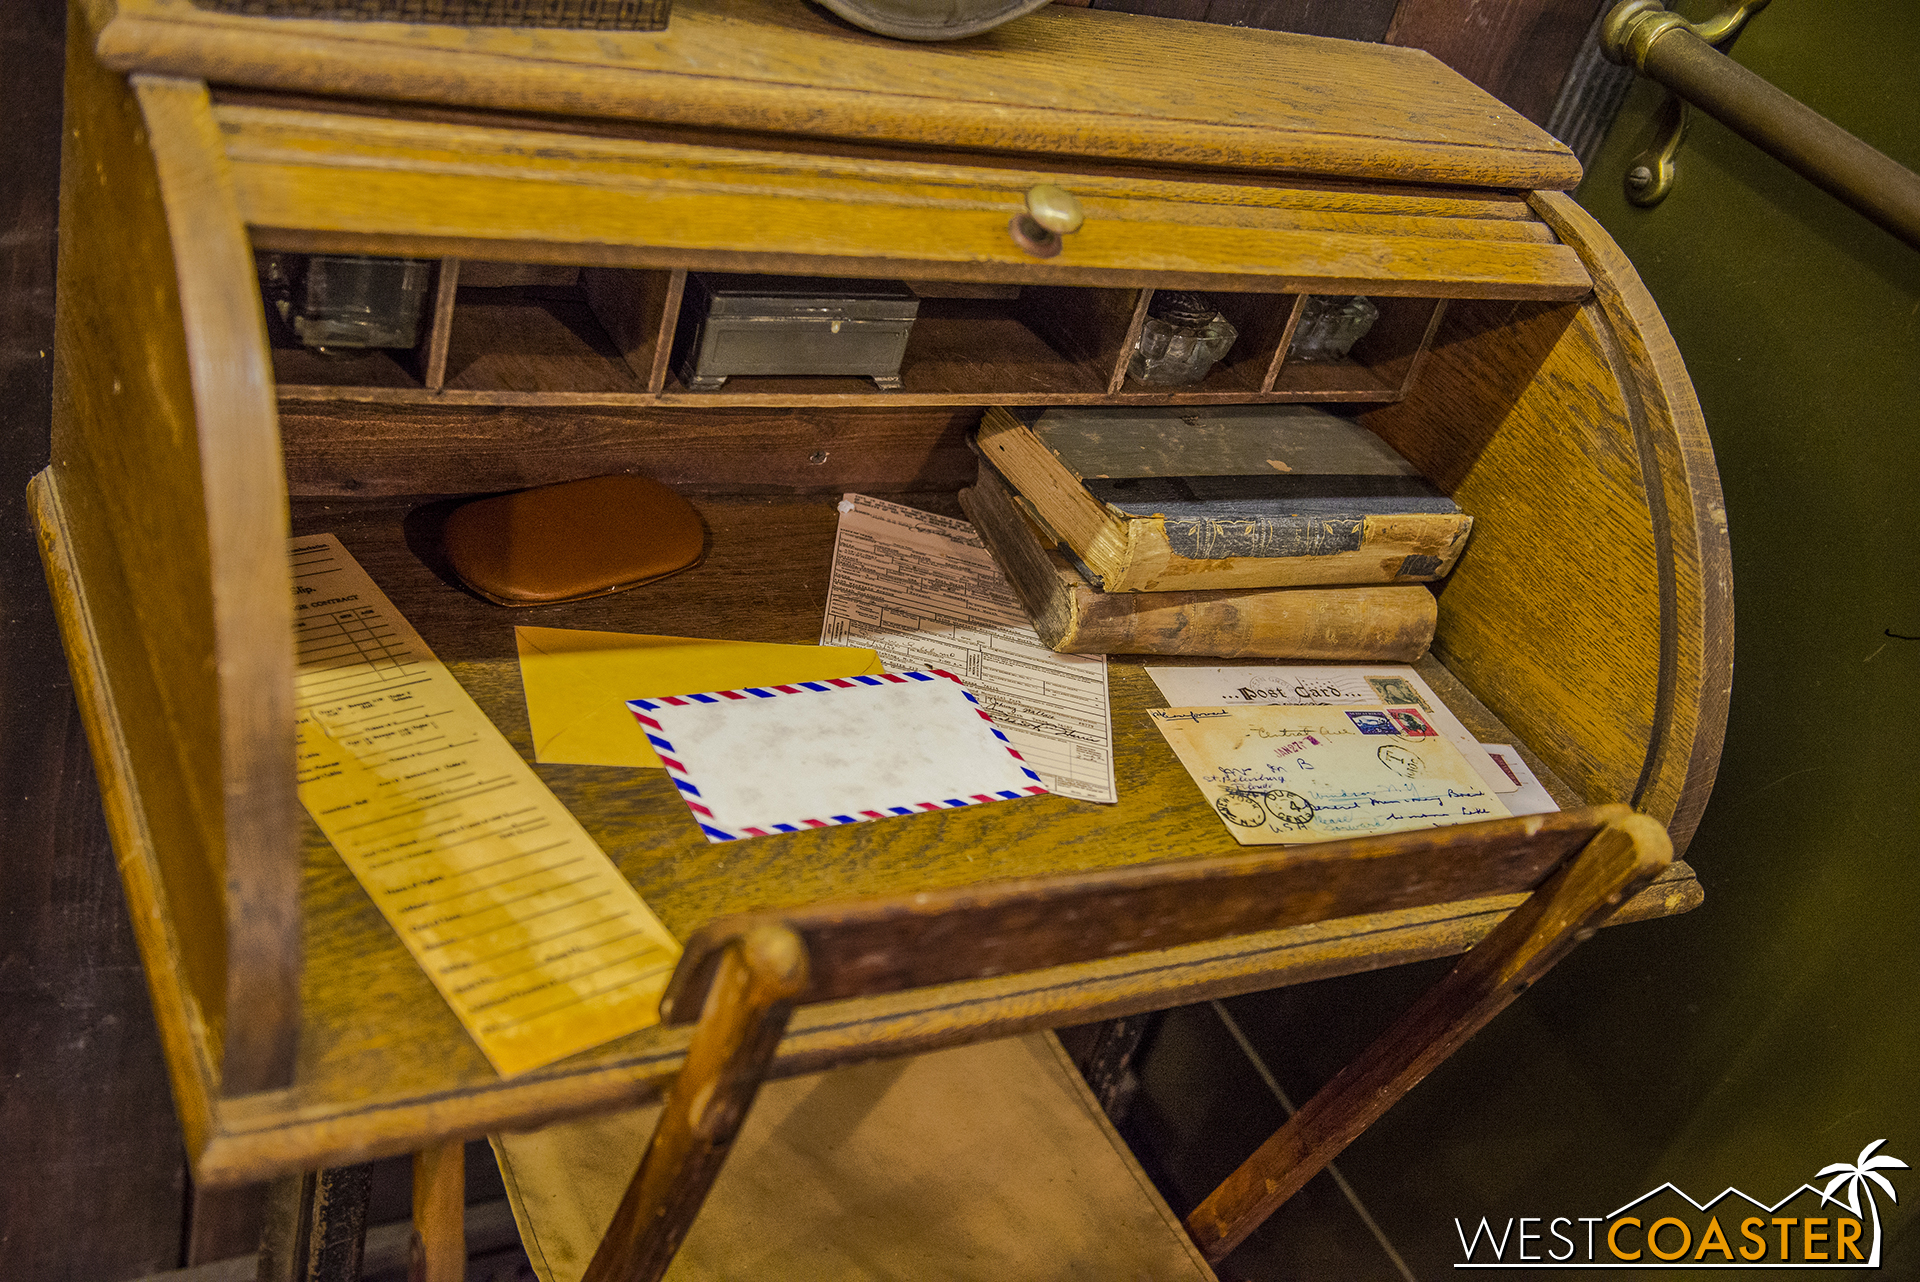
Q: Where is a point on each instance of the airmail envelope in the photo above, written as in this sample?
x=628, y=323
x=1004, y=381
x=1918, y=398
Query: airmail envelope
x=817, y=754
x=577, y=683
x=1282, y=774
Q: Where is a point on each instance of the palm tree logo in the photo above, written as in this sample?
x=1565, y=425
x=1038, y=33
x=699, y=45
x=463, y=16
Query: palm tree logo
x=1855, y=1176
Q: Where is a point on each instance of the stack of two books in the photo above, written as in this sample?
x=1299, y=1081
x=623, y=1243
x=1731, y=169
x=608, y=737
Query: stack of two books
x=1280, y=532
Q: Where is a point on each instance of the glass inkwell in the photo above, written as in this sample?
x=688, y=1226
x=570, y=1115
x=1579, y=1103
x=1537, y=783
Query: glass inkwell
x=1330, y=324
x=1184, y=334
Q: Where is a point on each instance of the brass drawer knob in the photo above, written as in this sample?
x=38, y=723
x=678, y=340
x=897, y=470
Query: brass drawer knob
x=1052, y=212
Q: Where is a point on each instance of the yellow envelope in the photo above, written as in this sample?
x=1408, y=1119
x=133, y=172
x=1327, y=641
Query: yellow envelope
x=577, y=684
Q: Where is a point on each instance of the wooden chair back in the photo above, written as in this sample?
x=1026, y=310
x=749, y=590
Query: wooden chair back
x=741, y=978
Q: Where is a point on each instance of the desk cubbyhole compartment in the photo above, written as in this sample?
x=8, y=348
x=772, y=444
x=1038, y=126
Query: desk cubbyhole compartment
x=1260, y=325
x=969, y=343
x=491, y=327
x=529, y=328
x=1382, y=364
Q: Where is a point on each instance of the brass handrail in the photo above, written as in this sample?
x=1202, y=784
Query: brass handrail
x=1663, y=46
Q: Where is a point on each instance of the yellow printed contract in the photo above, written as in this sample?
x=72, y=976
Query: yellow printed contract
x=525, y=926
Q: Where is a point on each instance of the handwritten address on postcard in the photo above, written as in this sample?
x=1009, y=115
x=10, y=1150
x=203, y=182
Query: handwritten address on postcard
x=1278, y=774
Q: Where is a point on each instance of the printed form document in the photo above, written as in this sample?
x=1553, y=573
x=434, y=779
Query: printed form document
x=525, y=926
x=924, y=591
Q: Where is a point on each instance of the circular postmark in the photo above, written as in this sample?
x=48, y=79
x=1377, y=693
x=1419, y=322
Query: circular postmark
x=1241, y=808
x=1289, y=809
x=1400, y=760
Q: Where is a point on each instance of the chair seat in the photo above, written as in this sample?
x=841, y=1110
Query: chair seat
x=989, y=1162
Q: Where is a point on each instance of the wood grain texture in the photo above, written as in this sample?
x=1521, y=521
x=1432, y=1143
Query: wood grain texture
x=872, y=947
x=752, y=994
x=1517, y=50
x=636, y=309
x=162, y=400
x=1518, y=409
x=373, y=450
x=1061, y=81
x=1697, y=630
x=1566, y=910
x=239, y=460
x=438, y=1249
x=384, y=1065
x=673, y=204
x=433, y=354
x=1553, y=615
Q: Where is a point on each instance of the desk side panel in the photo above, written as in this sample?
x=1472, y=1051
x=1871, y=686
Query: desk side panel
x=160, y=407
x=1592, y=611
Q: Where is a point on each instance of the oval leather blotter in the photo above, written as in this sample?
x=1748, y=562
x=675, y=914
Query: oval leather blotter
x=573, y=540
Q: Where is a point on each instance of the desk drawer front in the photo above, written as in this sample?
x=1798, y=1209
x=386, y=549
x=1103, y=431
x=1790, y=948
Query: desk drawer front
x=307, y=179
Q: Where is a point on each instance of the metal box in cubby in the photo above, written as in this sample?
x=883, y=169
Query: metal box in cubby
x=737, y=325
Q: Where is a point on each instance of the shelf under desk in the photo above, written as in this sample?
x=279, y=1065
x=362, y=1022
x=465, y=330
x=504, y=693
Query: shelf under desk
x=385, y=1067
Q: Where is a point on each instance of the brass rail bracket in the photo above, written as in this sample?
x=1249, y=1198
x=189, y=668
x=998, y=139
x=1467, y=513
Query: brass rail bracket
x=1626, y=36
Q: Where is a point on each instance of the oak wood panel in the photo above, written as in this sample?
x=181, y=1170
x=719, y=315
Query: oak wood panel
x=638, y=311
x=868, y=947
x=1553, y=616
x=1697, y=638
x=432, y=353
x=162, y=399
x=513, y=340
x=372, y=450
x=1059, y=81
x=162, y=902
x=369, y=177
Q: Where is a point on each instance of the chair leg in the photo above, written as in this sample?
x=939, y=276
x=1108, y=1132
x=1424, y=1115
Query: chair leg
x=1566, y=909
x=439, y=1247
x=740, y=1027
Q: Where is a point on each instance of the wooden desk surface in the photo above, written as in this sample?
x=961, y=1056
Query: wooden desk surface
x=384, y=1066
x=1061, y=82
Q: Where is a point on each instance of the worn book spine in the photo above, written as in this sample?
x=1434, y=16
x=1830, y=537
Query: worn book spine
x=1389, y=623
x=1153, y=553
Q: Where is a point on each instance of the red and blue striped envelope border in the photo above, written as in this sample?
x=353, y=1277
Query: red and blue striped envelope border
x=644, y=711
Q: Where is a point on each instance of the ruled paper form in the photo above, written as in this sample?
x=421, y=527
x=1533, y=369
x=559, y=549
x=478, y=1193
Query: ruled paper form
x=924, y=592
x=531, y=934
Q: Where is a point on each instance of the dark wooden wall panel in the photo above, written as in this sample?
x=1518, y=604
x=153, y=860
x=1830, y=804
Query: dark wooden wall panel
x=91, y=1184
x=1517, y=50
x=1342, y=19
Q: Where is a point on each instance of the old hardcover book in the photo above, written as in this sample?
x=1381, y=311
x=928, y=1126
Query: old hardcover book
x=1383, y=622
x=1243, y=496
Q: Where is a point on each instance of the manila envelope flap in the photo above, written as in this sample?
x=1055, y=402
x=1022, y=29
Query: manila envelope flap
x=577, y=683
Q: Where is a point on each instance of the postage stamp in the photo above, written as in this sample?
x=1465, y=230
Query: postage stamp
x=1373, y=723
x=1397, y=690
x=1411, y=722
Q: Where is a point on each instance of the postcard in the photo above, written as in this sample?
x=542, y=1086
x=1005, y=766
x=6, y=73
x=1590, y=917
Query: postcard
x=816, y=754
x=1277, y=774
x=1394, y=684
